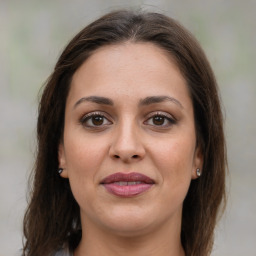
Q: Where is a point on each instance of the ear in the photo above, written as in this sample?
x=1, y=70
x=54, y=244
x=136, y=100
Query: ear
x=198, y=162
x=62, y=161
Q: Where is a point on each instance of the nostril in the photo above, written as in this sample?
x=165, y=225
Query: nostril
x=126, y=158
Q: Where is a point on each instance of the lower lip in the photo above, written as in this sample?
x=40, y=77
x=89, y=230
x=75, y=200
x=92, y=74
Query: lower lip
x=127, y=191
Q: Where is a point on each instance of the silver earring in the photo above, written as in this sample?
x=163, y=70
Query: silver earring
x=198, y=172
x=60, y=170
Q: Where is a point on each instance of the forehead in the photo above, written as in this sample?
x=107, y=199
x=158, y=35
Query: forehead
x=131, y=69
x=122, y=54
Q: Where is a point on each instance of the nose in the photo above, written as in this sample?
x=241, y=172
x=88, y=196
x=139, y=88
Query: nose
x=126, y=144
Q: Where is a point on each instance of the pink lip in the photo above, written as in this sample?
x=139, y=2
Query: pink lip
x=127, y=184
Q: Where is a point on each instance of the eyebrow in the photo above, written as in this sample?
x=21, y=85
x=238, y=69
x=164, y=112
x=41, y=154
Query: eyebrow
x=143, y=102
x=159, y=99
x=95, y=99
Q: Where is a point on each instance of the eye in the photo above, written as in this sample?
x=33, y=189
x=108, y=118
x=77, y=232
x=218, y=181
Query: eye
x=95, y=119
x=160, y=119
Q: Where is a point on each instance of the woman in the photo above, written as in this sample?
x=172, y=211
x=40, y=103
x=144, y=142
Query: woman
x=131, y=152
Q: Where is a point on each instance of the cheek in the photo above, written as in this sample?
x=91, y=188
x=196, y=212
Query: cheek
x=83, y=161
x=174, y=160
x=83, y=153
x=82, y=165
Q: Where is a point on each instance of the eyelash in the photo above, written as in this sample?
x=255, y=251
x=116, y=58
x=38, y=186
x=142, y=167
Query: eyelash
x=88, y=118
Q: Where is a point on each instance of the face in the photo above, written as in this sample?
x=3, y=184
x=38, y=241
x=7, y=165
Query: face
x=129, y=147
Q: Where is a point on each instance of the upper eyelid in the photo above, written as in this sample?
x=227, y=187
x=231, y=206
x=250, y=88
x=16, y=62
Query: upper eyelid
x=95, y=113
x=160, y=113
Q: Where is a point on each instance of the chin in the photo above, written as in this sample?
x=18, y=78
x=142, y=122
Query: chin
x=129, y=223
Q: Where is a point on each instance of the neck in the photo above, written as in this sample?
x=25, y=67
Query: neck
x=162, y=241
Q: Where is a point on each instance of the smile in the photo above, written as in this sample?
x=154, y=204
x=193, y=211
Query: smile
x=127, y=184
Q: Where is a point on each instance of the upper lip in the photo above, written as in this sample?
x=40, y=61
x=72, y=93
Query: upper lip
x=132, y=176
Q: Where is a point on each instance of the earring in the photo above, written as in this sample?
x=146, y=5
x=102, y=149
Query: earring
x=60, y=170
x=198, y=172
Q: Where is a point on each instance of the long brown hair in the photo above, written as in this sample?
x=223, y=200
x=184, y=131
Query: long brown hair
x=52, y=218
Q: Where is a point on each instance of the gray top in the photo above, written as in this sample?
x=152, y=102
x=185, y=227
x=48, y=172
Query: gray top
x=64, y=252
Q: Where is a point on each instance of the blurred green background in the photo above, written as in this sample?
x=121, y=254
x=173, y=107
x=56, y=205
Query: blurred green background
x=33, y=34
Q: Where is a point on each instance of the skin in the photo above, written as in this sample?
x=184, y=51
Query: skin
x=130, y=139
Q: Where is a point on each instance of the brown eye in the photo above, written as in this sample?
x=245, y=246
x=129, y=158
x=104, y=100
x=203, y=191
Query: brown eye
x=93, y=119
x=97, y=120
x=161, y=120
x=158, y=120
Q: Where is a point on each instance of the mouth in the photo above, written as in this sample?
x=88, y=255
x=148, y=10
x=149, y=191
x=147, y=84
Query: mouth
x=127, y=184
